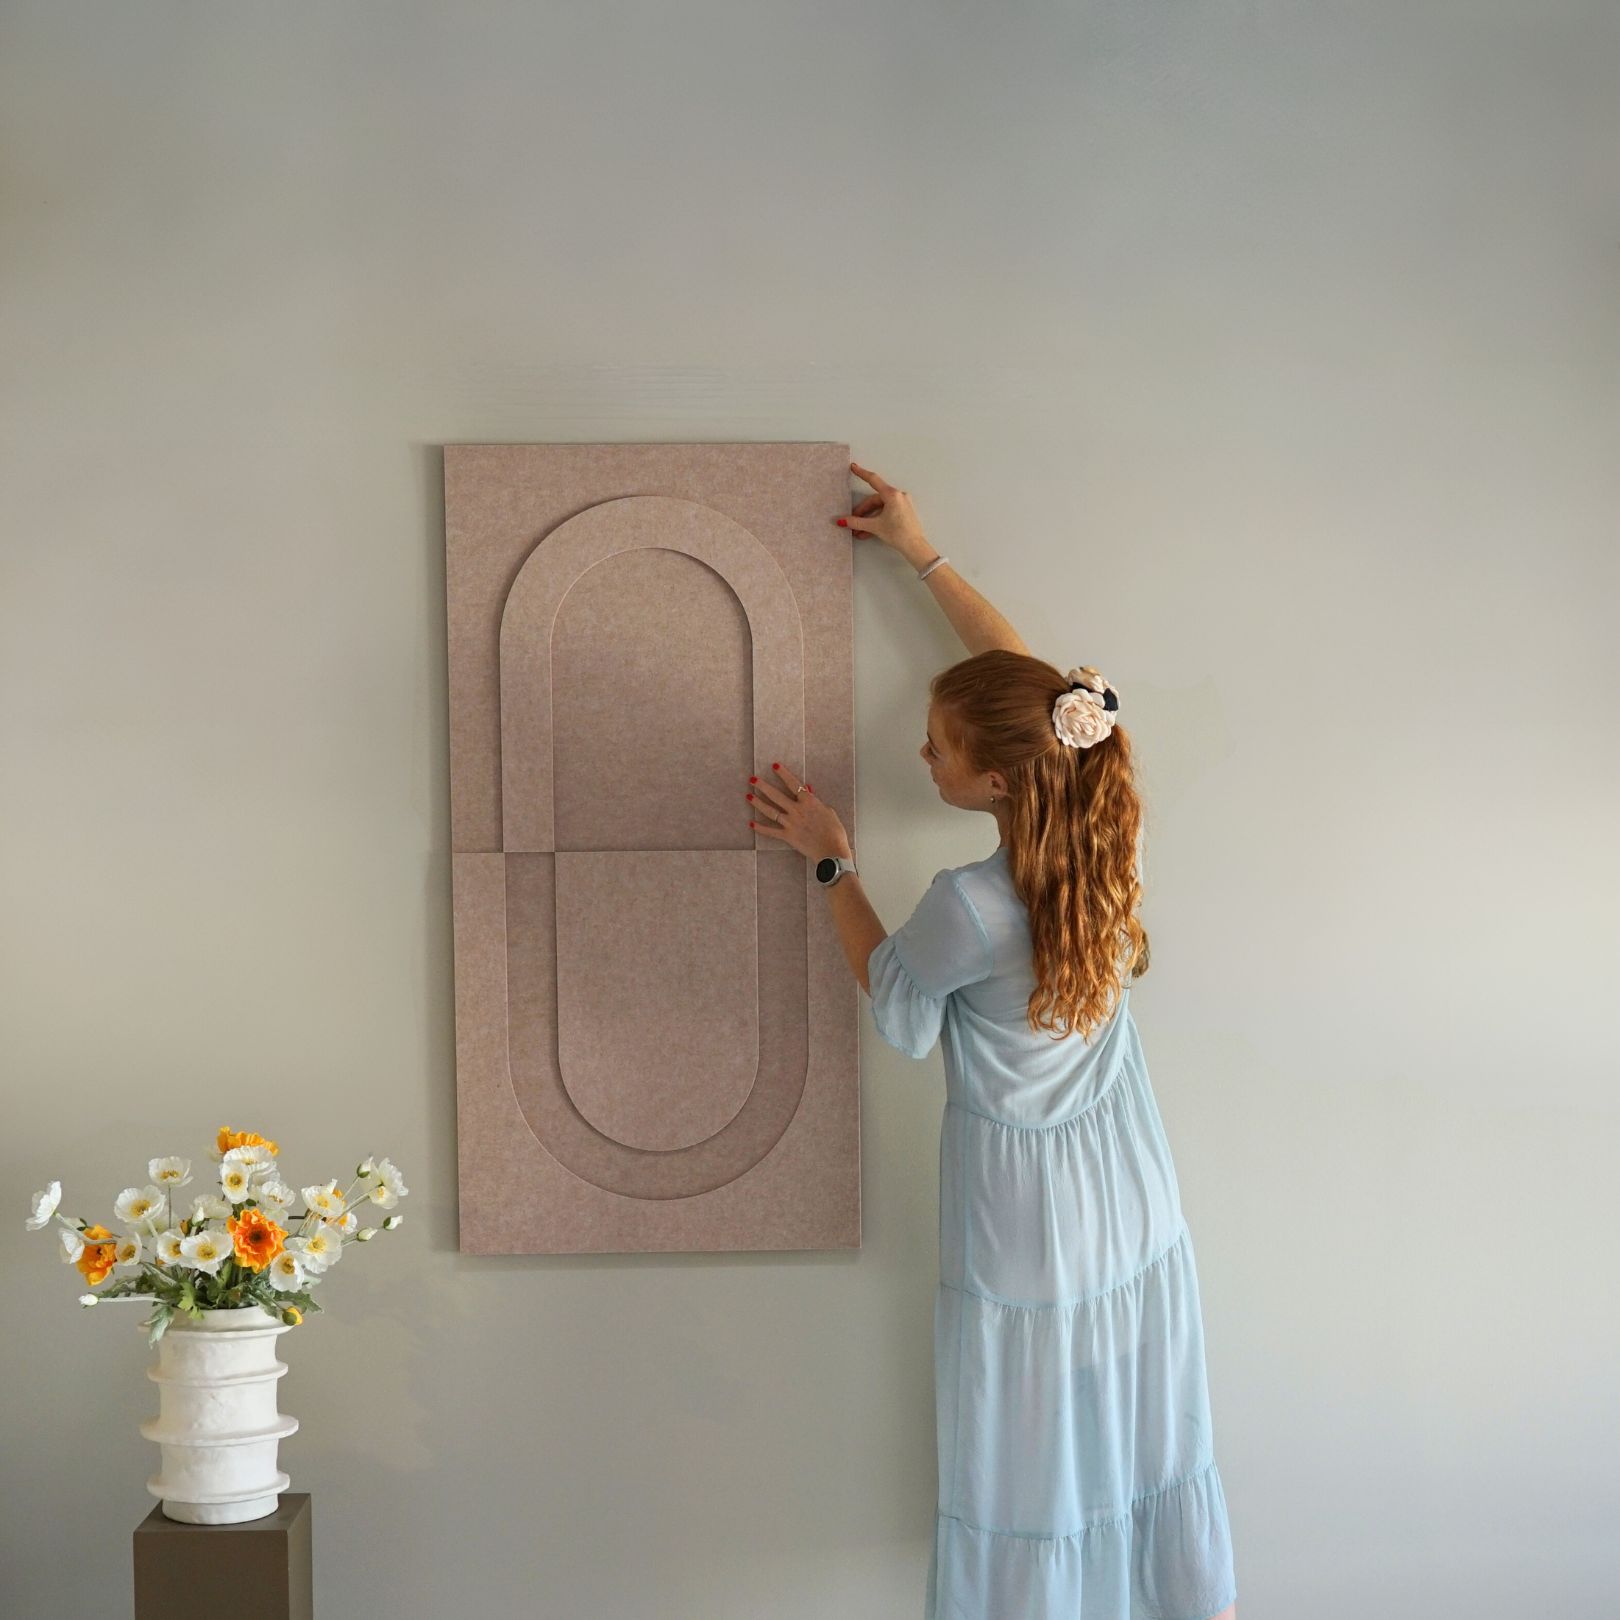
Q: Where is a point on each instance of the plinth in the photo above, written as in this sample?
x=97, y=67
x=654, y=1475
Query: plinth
x=260, y=1570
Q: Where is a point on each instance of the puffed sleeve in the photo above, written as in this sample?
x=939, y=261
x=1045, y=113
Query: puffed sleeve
x=941, y=947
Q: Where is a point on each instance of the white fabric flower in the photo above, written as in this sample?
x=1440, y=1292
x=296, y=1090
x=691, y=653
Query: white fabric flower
x=72, y=1245
x=170, y=1173
x=207, y=1251
x=130, y=1249
x=1080, y=719
x=44, y=1206
x=276, y=1191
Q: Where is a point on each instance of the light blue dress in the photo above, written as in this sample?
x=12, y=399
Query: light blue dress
x=1077, y=1476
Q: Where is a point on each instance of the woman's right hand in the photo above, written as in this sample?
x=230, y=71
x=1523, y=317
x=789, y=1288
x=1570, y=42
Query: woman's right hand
x=887, y=515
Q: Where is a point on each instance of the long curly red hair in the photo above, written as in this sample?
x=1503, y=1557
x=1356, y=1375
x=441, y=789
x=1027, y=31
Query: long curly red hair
x=1072, y=840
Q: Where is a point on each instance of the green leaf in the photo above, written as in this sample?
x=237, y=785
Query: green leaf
x=158, y=1322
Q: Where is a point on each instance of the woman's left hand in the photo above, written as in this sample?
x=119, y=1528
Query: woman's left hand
x=799, y=819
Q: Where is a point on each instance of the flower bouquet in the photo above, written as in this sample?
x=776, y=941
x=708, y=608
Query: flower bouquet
x=235, y=1249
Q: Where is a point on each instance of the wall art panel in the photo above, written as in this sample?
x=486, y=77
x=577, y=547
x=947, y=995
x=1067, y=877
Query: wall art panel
x=657, y=1035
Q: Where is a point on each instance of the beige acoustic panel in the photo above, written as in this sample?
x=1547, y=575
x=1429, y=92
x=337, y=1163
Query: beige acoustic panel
x=657, y=1034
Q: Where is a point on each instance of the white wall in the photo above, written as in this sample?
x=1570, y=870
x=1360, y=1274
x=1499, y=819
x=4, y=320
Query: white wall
x=1263, y=355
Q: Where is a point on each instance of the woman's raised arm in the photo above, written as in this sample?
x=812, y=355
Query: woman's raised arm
x=889, y=516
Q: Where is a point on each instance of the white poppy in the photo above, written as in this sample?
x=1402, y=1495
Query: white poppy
x=235, y=1179
x=392, y=1179
x=255, y=1156
x=277, y=1192
x=388, y=1192
x=207, y=1250
x=320, y=1249
x=136, y=1205
x=170, y=1173
x=285, y=1273
x=130, y=1249
x=72, y=1245
x=325, y=1200
x=169, y=1247
x=44, y=1206
x=210, y=1206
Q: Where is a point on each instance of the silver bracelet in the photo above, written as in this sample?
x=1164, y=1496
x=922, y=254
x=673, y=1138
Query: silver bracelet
x=925, y=572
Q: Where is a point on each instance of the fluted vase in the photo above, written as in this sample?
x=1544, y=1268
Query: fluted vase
x=217, y=1423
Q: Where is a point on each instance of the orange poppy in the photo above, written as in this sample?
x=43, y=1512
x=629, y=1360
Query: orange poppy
x=229, y=1139
x=257, y=1238
x=98, y=1256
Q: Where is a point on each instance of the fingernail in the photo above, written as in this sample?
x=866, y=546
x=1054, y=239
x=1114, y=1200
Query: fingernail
x=753, y=778
x=843, y=523
x=776, y=764
x=750, y=824
x=750, y=795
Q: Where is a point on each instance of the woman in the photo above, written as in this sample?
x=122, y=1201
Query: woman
x=1077, y=1478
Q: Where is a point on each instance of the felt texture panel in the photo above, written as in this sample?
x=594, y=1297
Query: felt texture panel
x=656, y=1030
x=702, y=970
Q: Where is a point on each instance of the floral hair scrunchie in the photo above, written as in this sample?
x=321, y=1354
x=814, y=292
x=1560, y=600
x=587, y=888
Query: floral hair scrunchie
x=1085, y=713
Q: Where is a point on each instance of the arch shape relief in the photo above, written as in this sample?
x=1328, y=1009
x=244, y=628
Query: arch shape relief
x=690, y=1130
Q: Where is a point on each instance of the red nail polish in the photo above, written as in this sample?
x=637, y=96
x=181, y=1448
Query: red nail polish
x=843, y=523
x=750, y=795
x=776, y=764
x=750, y=824
x=753, y=778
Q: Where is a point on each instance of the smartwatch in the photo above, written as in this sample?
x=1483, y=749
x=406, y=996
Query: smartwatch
x=832, y=867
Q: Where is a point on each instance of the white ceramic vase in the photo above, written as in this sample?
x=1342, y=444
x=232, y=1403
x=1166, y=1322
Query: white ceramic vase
x=217, y=1421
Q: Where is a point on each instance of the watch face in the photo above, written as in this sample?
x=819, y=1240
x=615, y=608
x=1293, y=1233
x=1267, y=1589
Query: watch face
x=826, y=868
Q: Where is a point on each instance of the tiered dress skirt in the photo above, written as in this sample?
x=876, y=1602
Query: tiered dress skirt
x=1077, y=1472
